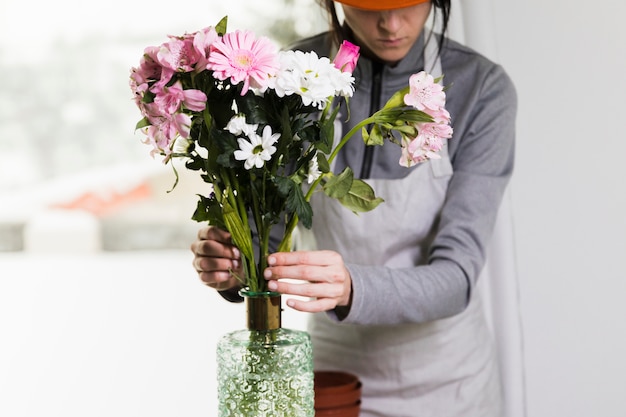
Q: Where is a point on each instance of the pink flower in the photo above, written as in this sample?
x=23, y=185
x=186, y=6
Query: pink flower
x=149, y=69
x=243, y=58
x=202, y=41
x=426, y=145
x=159, y=137
x=170, y=99
x=440, y=116
x=424, y=93
x=182, y=124
x=347, y=57
x=179, y=54
x=434, y=131
x=162, y=126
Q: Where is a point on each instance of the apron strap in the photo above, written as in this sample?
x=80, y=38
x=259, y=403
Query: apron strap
x=432, y=63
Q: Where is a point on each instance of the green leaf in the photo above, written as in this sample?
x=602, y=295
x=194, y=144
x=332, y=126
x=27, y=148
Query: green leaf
x=295, y=201
x=195, y=163
x=209, y=210
x=365, y=134
x=375, y=137
x=256, y=108
x=397, y=100
x=360, y=198
x=302, y=167
x=327, y=132
x=148, y=97
x=223, y=146
x=407, y=130
x=176, y=178
x=339, y=185
x=309, y=133
x=302, y=207
x=388, y=115
x=322, y=162
x=220, y=28
x=142, y=123
x=219, y=103
x=284, y=185
x=414, y=116
x=206, y=117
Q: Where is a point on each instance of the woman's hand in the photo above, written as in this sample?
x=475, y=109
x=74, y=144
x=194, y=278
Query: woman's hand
x=216, y=259
x=323, y=275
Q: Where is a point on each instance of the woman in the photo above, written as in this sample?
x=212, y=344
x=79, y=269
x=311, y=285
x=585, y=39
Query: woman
x=394, y=289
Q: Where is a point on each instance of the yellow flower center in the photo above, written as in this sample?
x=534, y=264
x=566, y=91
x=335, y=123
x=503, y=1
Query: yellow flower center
x=244, y=59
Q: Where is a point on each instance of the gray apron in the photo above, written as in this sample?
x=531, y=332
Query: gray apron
x=443, y=368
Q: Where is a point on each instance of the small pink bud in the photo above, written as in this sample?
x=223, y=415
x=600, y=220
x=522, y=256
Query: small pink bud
x=347, y=57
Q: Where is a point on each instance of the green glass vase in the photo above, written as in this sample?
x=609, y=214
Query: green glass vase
x=265, y=370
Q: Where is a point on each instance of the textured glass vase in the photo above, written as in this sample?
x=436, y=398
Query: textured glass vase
x=265, y=370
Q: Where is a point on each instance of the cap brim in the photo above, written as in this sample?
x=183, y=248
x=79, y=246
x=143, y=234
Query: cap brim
x=379, y=5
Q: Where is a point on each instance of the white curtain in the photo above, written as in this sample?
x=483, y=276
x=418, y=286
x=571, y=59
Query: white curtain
x=472, y=23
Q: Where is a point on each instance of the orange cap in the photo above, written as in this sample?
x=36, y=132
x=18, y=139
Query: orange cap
x=381, y=4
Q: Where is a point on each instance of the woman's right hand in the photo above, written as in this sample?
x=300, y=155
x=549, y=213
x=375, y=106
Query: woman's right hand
x=216, y=259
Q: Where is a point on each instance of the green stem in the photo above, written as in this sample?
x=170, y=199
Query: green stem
x=293, y=222
x=264, y=243
x=348, y=135
x=263, y=236
x=232, y=184
x=285, y=242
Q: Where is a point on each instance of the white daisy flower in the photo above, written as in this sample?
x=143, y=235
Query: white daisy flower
x=237, y=126
x=313, y=78
x=258, y=149
x=181, y=145
x=314, y=171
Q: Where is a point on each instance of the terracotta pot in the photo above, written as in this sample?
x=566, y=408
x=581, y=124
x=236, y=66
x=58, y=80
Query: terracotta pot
x=347, y=411
x=330, y=382
x=337, y=394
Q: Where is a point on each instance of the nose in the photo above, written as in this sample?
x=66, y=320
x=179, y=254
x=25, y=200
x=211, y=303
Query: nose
x=389, y=21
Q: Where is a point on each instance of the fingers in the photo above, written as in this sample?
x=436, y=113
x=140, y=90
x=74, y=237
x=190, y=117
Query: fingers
x=219, y=281
x=216, y=260
x=318, y=257
x=320, y=277
x=312, y=306
x=213, y=241
x=215, y=248
x=308, y=290
x=217, y=273
x=318, y=266
x=216, y=265
x=214, y=233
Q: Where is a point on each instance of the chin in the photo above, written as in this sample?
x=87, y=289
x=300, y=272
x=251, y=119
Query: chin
x=391, y=59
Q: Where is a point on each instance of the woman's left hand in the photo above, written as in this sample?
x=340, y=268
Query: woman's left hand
x=323, y=275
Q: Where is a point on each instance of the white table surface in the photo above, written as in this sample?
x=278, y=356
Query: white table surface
x=110, y=334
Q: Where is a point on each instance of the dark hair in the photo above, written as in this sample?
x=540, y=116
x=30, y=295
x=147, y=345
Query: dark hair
x=339, y=32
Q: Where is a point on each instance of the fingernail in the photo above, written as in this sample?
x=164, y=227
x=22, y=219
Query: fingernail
x=272, y=285
x=236, y=253
x=271, y=260
x=267, y=274
x=291, y=303
x=235, y=264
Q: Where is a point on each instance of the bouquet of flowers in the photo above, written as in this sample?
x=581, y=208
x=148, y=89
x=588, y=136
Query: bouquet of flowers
x=258, y=125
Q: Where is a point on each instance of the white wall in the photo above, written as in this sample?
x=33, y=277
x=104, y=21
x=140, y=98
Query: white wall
x=567, y=59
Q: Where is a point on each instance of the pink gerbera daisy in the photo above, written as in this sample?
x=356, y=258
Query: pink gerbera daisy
x=242, y=57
